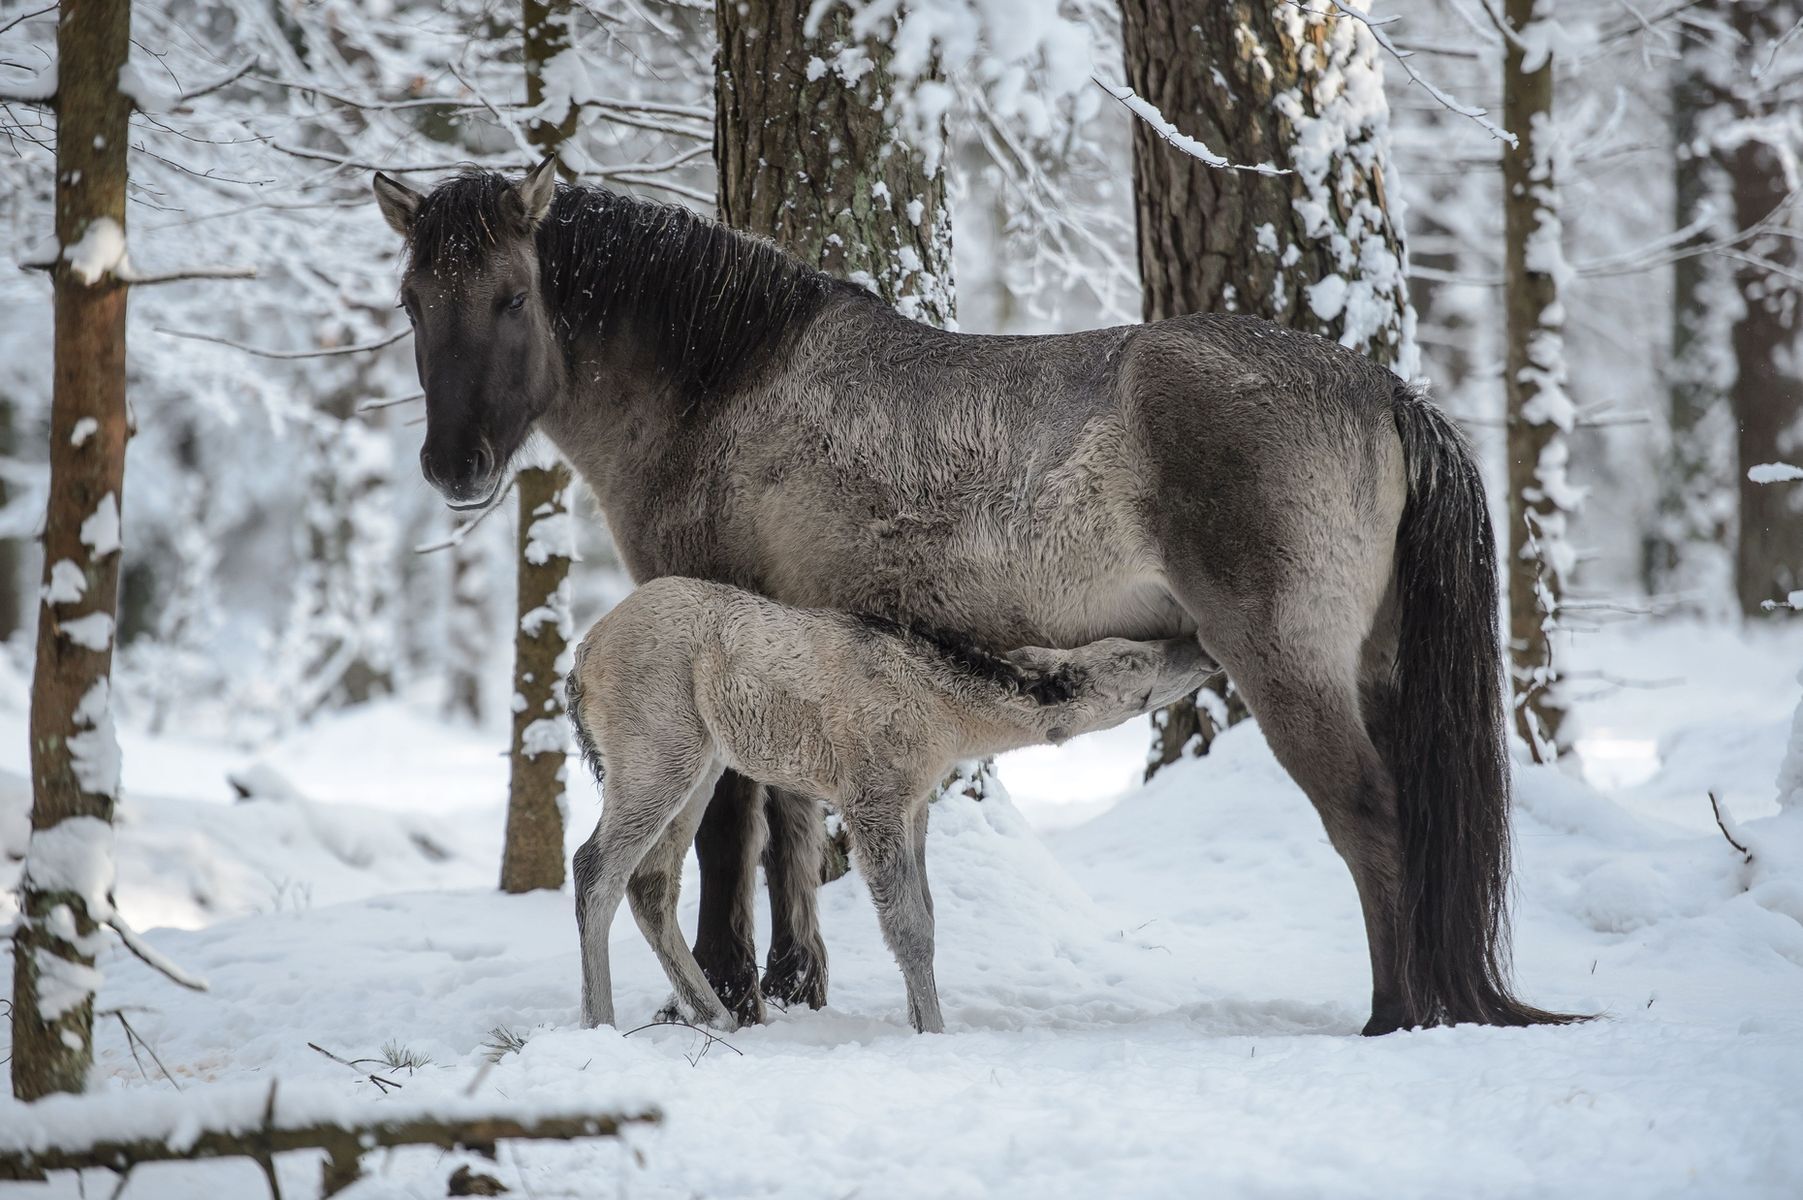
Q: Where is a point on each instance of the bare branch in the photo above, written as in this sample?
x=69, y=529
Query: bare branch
x=1722, y=822
x=187, y=273
x=456, y=536
x=288, y=354
x=24, y=17
x=233, y=76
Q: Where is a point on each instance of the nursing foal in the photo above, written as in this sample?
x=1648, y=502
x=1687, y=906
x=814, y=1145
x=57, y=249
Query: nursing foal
x=686, y=678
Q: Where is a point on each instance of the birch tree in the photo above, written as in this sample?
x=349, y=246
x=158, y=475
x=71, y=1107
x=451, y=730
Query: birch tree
x=532, y=856
x=74, y=759
x=1313, y=247
x=1540, y=414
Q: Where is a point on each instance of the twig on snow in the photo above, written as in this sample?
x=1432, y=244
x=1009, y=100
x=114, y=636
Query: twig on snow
x=1722, y=822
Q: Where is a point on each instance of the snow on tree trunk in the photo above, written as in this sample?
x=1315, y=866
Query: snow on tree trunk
x=809, y=155
x=1318, y=249
x=1540, y=413
x=1759, y=150
x=74, y=759
x=532, y=855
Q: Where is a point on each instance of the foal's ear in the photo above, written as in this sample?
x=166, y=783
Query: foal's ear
x=398, y=202
x=534, y=193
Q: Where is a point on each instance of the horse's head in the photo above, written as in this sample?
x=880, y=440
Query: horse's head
x=483, y=341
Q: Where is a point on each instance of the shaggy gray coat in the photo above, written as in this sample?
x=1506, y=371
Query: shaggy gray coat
x=685, y=679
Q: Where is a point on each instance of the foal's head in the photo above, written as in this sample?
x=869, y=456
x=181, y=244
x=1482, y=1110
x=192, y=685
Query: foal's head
x=483, y=340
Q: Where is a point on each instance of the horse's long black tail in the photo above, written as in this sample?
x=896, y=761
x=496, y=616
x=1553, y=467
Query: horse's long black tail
x=1447, y=736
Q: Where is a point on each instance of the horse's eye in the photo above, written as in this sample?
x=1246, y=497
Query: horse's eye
x=516, y=302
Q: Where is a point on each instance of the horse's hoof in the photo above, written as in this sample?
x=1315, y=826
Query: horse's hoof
x=796, y=977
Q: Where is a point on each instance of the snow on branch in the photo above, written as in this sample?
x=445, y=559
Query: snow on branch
x=327, y=352
x=152, y=957
x=122, y=1130
x=1775, y=473
x=1471, y=112
x=1146, y=111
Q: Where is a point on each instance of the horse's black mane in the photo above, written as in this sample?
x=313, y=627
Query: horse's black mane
x=1058, y=686
x=708, y=302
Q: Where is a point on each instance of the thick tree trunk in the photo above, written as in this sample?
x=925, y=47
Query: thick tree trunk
x=808, y=157
x=532, y=856
x=1540, y=415
x=1767, y=394
x=1262, y=81
x=74, y=759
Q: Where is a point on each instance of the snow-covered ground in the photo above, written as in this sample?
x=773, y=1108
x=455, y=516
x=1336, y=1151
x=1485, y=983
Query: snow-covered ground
x=1149, y=991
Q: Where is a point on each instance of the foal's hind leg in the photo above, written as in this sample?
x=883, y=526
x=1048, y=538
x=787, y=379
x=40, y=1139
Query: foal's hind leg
x=727, y=845
x=882, y=836
x=652, y=892
x=796, y=971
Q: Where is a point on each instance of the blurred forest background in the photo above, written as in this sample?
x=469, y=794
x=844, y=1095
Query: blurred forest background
x=283, y=555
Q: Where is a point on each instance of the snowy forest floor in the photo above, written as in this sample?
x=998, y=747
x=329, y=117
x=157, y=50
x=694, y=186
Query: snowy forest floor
x=1148, y=991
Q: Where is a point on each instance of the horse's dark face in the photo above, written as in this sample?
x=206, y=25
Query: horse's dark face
x=483, y=341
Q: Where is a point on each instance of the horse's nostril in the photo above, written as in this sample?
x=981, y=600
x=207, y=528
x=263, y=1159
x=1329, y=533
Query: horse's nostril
x=484, y=462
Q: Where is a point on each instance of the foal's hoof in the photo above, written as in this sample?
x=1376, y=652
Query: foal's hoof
x=744, y=1003
x=796, y=977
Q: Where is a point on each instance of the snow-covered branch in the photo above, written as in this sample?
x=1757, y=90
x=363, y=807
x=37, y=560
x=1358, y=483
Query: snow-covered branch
x=1148, y=112
x=1468, y=111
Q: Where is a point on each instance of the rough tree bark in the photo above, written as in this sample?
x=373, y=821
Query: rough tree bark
x=532, y=856
x=808, y=157
x=1540, y=414
x=1759, y=151
x=74, y=759
x=1263, y=81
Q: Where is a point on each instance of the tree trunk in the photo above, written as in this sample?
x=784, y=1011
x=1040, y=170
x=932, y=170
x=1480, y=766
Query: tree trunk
x=1263, y=81
x=1686, y=553
x=532, y=856
x=74, y=759
x=807, y=157
x=1540, y=414
x=1767, y=394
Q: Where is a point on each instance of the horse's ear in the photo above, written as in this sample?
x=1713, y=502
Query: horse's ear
x=398, y=202
x=534, y=193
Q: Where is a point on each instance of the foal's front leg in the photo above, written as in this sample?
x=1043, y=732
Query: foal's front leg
x=883, y=837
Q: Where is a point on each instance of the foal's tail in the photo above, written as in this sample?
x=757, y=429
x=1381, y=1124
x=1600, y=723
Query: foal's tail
x=574, y=695
x=1446, y=735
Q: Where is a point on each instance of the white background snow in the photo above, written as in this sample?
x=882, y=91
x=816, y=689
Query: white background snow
x=1152, y=992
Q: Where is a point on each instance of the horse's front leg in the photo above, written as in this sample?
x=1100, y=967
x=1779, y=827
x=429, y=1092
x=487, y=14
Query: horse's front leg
x=796, y=971
x=727, y=846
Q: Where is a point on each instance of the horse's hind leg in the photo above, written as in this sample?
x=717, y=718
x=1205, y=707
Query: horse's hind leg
x=883, y=837
x=642, y=795
x=727, y=845
x=1310, y=715
x=796, y=971
x=652, y=892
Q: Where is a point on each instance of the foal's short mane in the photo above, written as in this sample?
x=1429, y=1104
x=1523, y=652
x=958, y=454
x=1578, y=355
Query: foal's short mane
x=709, y=303
x=1058, y=686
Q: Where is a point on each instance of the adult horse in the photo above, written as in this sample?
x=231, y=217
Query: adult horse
x=1318, y=526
